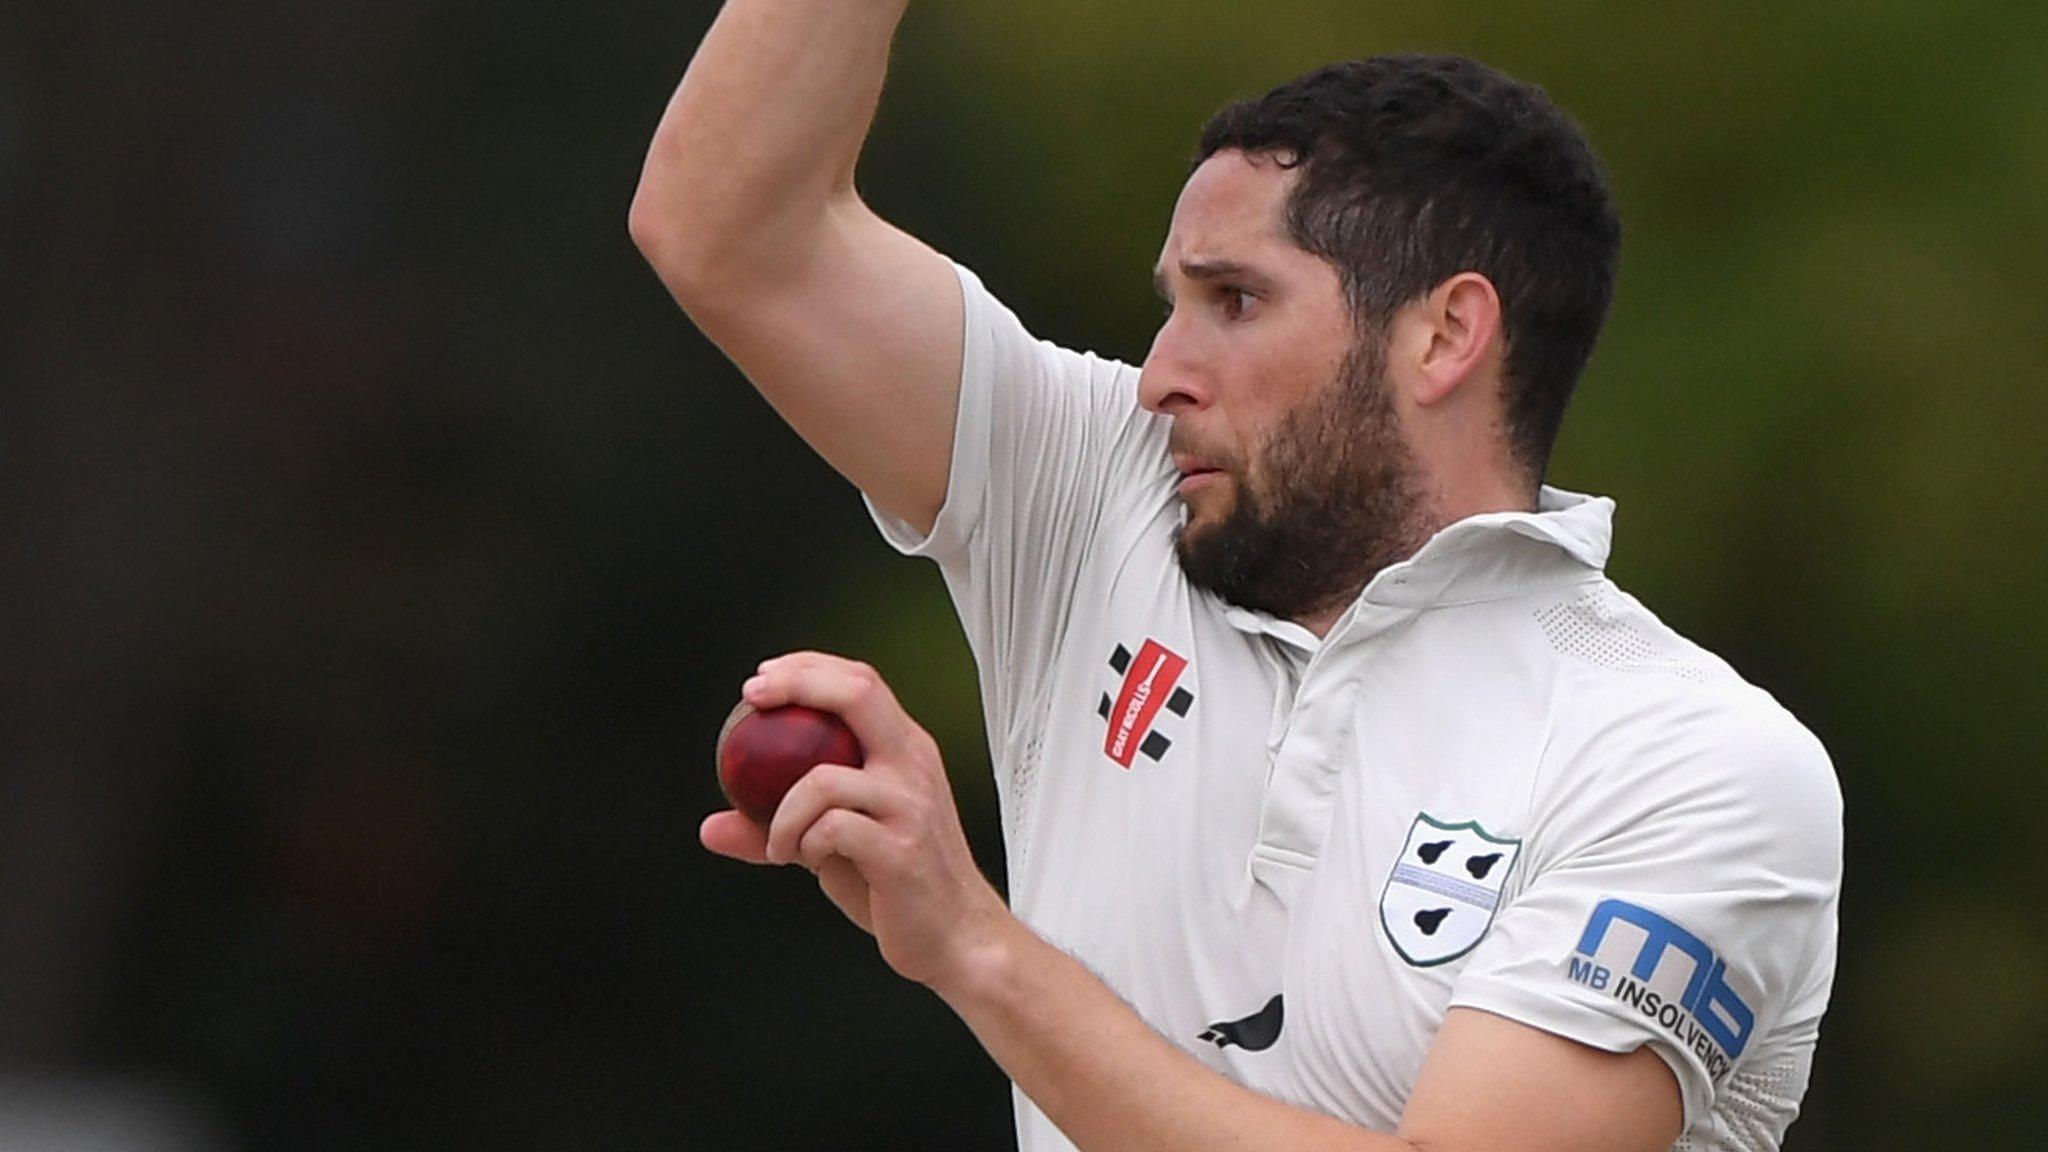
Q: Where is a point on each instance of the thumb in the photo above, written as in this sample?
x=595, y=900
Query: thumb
x=731, y=834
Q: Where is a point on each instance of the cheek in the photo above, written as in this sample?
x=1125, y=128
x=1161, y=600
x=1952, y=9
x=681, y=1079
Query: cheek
x=1304, y=444
x=1283, y=407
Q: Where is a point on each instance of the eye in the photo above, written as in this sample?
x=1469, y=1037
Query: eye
x=1236, y=302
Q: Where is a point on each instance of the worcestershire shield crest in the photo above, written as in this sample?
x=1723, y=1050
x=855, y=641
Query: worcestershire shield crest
x=1444, y=889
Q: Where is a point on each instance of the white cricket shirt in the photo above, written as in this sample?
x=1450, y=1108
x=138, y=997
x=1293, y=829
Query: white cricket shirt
x=1499, y=782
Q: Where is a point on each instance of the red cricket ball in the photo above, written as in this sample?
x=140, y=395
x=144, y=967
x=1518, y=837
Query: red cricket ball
x=761, y=755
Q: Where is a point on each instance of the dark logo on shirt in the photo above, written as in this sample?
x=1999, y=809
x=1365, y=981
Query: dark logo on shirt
x=1444, y=889
x=1150, y=685
x=1255, y=1033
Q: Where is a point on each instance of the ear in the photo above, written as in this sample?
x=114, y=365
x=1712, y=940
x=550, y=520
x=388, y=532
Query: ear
x=1462, y=317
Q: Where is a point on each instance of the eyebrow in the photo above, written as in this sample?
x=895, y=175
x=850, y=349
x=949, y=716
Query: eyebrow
x=1199, y=270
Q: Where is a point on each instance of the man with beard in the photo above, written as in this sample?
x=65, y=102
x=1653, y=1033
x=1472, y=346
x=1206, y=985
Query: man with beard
x=1348, y=805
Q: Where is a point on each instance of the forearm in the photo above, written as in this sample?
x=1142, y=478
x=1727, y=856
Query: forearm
x=886, y=845
x=1108, y=1080
x=761, y=137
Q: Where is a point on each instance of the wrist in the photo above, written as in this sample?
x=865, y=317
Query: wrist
x=986, y=964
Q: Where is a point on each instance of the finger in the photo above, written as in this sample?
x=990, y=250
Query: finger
x=732, y=834
x=848, y=892
x=853, y=691
x=822, y=789
x=843, y=834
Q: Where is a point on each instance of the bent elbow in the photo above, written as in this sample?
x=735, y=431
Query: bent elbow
x=651, y=224
x=680, y=255
x=706, y=241
x=643, y=223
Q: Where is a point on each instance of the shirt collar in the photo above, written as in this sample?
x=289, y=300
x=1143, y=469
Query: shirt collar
x=1483, y=557
x=1580, y=526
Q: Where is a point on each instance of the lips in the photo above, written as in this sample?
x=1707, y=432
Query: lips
x=1196, y=475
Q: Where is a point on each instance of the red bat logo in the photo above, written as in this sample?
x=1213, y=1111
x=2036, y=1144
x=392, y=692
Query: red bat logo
x=1149, y=682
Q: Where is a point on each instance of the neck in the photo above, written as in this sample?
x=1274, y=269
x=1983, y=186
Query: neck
x=1476, y=482
x=1483, y=494
x=1320, y=623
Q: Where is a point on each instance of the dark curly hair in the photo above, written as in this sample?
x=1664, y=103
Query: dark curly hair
x=1416, y=168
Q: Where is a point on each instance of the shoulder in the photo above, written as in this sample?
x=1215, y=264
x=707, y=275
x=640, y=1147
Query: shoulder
x=1649, y=732
x=999, y=343
x=1041, y=406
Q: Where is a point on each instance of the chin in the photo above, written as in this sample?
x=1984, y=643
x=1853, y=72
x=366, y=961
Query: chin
x=1197, y=525
x=1199, y=531
x=1216, y=497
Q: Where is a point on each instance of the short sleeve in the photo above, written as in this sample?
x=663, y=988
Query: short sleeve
x=1683, y=896
x=1044, y=439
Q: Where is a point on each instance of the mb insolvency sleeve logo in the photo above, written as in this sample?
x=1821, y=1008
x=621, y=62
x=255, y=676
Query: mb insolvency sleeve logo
x=1444, y=889
x=1659, y=969
x=1150, y=685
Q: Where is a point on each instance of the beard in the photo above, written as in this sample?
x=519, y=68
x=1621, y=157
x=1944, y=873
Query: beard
x=1331, y=498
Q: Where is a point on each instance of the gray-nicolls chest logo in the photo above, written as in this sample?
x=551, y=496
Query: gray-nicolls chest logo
x=1255, y=1033
x=1149, y=695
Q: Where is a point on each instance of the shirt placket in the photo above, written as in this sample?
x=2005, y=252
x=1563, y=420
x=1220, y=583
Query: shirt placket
x=1313, y=742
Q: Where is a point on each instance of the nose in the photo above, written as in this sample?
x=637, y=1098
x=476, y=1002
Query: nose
x=1171, y=381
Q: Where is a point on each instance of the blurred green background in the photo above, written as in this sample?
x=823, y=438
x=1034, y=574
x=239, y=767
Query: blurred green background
x=383, y=549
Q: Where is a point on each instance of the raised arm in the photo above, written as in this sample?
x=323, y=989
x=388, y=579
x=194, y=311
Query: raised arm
x=746, y=208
